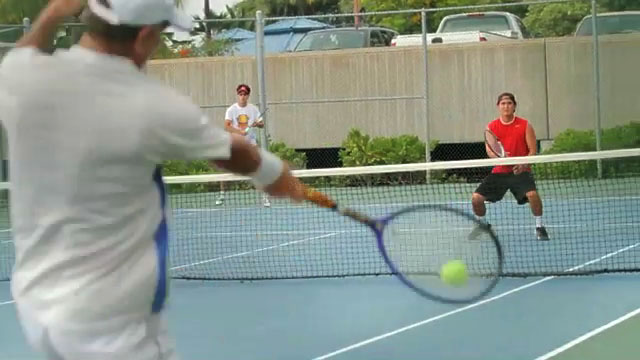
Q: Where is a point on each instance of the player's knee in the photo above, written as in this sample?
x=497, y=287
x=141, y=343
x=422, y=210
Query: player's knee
x=532, y=194
x=477, y=198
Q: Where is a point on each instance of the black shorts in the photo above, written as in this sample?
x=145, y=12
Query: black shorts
x=494, y=186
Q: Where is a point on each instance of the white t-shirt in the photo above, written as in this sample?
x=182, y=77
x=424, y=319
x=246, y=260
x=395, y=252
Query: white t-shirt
x=86, y=132
x=243, y=118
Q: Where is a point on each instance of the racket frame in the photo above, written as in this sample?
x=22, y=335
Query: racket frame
x=489, y=134
x=378, y=226
x=382, y=223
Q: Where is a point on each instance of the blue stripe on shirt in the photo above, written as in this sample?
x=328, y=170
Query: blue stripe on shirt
x=161, y=238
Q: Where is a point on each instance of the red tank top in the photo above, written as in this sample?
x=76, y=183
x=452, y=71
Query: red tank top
x=513, y=138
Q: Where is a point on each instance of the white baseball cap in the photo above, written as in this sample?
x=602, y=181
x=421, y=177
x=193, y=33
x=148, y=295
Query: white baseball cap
x=141, y=12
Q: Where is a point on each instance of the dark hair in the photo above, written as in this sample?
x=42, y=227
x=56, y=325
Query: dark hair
x=121, y=33
x=506, y=95
x=244, y=87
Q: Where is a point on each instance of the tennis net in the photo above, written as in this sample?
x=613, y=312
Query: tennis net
x=592, y=221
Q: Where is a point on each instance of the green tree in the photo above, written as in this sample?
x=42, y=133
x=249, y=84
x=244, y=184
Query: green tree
x=287, y=7
x=208, y=48
x=620, y=5
x=212, y=27
x=557, y=19
x=403, y=23
x=412, y=23
x=164, y=51
x=13, y=11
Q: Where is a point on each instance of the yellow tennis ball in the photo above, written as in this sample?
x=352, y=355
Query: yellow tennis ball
x=454, y=273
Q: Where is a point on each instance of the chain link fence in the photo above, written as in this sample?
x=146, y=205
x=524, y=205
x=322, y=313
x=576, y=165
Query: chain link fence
x=321, y=100
x=379, y=92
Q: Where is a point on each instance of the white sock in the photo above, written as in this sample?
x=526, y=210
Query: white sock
x=538, y=221
x=481, y=219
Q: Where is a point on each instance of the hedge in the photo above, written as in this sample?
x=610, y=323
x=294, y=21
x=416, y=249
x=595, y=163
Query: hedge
x=360, y=149
x=619, y=137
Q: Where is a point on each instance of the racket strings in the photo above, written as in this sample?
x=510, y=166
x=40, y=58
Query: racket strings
x=419, y=243
x=494, y=143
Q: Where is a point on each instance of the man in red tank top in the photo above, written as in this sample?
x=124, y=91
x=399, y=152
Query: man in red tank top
x=518, y=139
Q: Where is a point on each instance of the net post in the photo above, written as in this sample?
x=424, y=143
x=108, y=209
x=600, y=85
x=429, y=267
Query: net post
x=423, y=16
x=26, y=25
x=261, y=77
x=596, y=80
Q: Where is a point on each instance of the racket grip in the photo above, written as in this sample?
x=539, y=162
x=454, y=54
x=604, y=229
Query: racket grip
x=324, y=201
x=318, y=198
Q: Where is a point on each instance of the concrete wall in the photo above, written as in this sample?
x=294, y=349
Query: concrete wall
x=344, y=75
x=552, y=80
x=571, y=91
x=465, y=81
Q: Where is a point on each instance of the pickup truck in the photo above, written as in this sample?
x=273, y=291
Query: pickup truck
x=470, y=27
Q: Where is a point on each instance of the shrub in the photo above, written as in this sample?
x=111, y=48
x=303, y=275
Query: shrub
x=296, y=160
x=360, y=149
x=570, y=140
x=202, y=167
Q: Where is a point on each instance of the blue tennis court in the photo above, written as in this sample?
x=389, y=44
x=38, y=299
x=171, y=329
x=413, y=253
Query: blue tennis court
x=375, y=318
x=317, y=314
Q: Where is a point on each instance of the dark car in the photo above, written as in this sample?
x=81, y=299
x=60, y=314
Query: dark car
x=345, y=38
x=623, y=22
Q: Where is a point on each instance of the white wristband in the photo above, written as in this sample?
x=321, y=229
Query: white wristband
x=268, y=171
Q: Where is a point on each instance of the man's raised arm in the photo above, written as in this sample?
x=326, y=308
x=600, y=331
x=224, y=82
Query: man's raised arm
x=45, y=26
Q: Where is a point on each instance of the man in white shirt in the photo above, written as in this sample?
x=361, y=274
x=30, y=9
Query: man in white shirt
x=241, y=118
x=87, y=130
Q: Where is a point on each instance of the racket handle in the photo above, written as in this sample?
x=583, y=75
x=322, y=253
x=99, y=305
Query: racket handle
x=318, y=198
x=324, y=201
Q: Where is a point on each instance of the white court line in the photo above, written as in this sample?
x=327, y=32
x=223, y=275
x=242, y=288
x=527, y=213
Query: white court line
x=471, y=306
x=5, y=230
x=6, y=302
x=255, y=251
x=586, y=336
x=424, y=322
x=6, y=241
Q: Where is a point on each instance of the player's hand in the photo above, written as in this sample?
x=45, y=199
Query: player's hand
x=287, y=185
x=517, y=169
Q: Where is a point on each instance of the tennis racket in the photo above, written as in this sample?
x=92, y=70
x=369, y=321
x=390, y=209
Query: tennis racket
x=494, y=144
x=262, y=113
x=248, y=129
x=416, y=241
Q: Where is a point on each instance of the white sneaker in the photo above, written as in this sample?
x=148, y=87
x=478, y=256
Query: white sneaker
x=266, y=202
x=220, y=201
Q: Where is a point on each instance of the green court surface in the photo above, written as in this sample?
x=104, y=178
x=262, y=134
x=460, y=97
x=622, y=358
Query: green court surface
x=616, y=340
